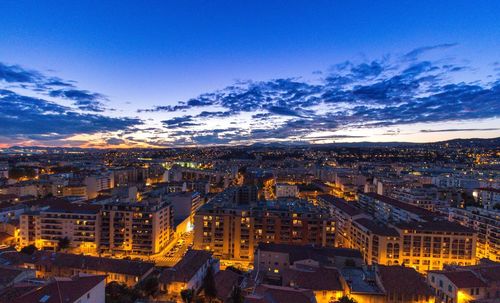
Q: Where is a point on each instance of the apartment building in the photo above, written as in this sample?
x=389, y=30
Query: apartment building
x=424, y=197
x=286, y=190
x=344, y=214
x=79, y=223
x=464, y=284
x=487, y=225
x=232, y=230
x=399, y=233
x=488, y=197
x=387, y=210
x=143, y=228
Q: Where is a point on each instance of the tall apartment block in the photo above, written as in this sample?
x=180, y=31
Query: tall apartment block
x=142, y=228
x=232, y=228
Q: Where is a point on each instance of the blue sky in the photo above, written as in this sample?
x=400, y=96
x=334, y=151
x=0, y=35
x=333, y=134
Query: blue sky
x=247, y=71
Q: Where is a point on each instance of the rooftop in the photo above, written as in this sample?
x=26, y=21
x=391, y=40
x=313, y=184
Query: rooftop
x=186, y=268
x=61, y=291
x=382, y=230
x=403, y=280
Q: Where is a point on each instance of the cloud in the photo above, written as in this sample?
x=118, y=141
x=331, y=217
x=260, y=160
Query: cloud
x=115, y=141
x=387, y=92
x=413, y=54
x=19, y=77
x=83, y=99
x=28, y=118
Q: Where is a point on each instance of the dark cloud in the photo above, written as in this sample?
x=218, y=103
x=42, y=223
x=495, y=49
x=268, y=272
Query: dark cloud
x=53, y=86
x=177, y=122
x=83, y=99
x=378, y=93
x=24, y=117
x=17, y=74
x=115, y=141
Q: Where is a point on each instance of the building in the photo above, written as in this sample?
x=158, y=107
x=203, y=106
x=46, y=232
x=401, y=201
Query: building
x=326, y=283
x=404, y=285
x=185, y=204
x=272, y=259
x=10, y=275
x=401, y=234
x=79, y=223
x=50, y=264
x=96, y=183
x=459, y=286
x=225, y=282
x=280, y=294
x=286, y=190
x=344, y=214
x=136, y=228
x=79, y=289
x=232, y=230
x=424, y=197
x=487, y=225
x=11, y=211
x=188, y=273
x=489, y=198
x=387, y=210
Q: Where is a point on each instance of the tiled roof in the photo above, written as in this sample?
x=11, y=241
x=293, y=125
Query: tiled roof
x=341, y=204
x=225, y=280
x=107, y=265
x=463, y=279
x=280, y=294
x=376, y=228
x=61, y=291
x=404, y=206
x=445, y=226
x=302, y=252
x=186, y=268
x=313, y=278
x=403, y=280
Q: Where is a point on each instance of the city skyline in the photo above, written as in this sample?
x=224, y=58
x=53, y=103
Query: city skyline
x=195, y=74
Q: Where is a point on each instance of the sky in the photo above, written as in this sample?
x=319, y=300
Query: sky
x=191, y=73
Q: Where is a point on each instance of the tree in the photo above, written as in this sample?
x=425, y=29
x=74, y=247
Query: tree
x=187, y=295
x=346, y=299
x=120, y=293
x=63, y=243
x=150, y=286
x=29, y=250
x=236, y=295
x=209, y=287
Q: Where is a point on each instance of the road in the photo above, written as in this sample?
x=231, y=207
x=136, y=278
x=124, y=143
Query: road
x=175, y=254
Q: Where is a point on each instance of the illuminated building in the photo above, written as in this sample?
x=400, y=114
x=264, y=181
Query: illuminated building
x=487, y=225
x=489, y=198
x=188, y=273
x=51, y=264
x=343, y=214
x=142, y=228
x=232, y=229
x=79, y=223
x=388, y=210
x=399, y=233
x=286, y=190
x=463, y=284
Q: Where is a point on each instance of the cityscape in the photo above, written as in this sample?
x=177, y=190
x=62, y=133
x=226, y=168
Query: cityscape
x=249, y=152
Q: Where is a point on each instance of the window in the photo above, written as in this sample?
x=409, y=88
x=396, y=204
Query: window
x=433, y=279
x=450, y=288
